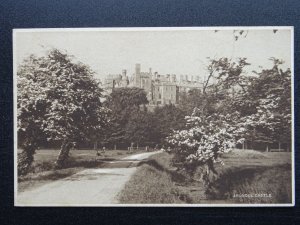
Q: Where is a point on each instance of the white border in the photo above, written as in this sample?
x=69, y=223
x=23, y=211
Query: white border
x=15, y=118
x=15, y=31
x=293, y=114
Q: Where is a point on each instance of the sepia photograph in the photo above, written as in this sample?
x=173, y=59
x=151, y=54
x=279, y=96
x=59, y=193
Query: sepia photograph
x=165, y=116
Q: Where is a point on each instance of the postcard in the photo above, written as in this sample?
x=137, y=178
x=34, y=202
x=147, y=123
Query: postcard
x=165, y=116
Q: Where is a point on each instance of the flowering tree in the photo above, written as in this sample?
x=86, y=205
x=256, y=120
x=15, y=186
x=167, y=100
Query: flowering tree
x=268, y=119
x=59, y=99
x=260, y=110
x=205, y=139
x=213, y=128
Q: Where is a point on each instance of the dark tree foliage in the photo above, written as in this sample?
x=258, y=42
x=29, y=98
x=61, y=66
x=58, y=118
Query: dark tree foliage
x=168, y=118
x=142, y=128
x=131, y=122
x=126, y=98
x=206, y=103
x=123, y=103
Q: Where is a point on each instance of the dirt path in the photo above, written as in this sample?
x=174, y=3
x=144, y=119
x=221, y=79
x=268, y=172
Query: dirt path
x=88, y=187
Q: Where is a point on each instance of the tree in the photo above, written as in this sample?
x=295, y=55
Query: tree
x=32, y=106
x=142, y=128
x=123, y=103
x=225, y=82
x=258, y=109
x=127, y=98
x=206, y=103
x=204, y=140
x=168, y=118
x=225, y=73
x=61, y=99
x=269, y=95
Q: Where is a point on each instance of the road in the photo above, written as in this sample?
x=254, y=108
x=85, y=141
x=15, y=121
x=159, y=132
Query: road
x=90, y=187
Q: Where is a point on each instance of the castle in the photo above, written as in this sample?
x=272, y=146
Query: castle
x=160, y=89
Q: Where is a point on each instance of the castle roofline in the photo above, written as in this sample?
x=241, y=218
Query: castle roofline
x=165, y=84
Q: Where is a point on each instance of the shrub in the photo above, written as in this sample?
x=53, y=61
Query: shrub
x=204, y=140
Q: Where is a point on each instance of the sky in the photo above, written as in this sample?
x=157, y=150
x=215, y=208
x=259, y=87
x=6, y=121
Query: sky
x=173, y=51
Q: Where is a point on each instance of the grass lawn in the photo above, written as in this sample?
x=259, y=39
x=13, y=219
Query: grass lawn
x=154, y=182
x=255, y=173
x=265, y=175
x=43, y=169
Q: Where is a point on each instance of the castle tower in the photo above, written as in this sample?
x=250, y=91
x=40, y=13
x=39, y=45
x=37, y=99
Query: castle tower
x=124, y=72
x=124, y=79
x=168, y=77
x=181, y=78
x=173, y=78
x=137, y=75
x=137, y=68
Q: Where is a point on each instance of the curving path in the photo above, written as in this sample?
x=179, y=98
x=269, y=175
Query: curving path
x=90, y=187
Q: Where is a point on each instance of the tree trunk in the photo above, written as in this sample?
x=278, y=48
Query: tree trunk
x=209, y=172
x=95, y=145
x=25, y=158
x=63, y=154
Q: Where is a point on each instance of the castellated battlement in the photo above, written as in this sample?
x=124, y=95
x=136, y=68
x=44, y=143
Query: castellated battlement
x=160, y=89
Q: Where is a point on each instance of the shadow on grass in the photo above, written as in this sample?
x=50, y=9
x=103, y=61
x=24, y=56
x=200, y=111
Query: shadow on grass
x=57, y=175
x=250, y=180
x=45, y=166
x=106, y=159
x=176, y=177
x=84, y=176
x=51, y=175
x=95, y=163
x=84, y=163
